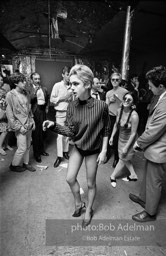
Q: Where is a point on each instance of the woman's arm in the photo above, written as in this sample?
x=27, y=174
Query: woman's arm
x=102, y=156
x=69, y=129
x=106, y=121
x=104, y=144
x=57, y=128
x=134, y=126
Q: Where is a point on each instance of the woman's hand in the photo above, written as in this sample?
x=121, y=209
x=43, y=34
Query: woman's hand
x=47, y=124
x=102, y=157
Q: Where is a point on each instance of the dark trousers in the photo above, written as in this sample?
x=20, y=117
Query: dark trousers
x=110, y=148
x=151, y=188
x=143, y=116
x=38, y=134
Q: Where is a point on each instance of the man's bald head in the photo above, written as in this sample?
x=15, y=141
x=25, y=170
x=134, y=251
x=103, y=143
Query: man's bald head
x=96, y=84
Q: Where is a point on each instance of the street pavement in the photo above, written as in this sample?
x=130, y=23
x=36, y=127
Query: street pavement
x=36, y=212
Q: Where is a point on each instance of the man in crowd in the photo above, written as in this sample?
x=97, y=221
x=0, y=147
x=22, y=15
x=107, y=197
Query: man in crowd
x=39, y=101
x=113, y=99
x=96, y=91
x=20, y=120
x=153, y=142
x=60, y=96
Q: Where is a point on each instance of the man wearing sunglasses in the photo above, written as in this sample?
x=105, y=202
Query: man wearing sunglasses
x=114, y=98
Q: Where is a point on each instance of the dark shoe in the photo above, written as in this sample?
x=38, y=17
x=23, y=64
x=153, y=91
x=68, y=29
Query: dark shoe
x=57, y=162
x=17, y=168
x=143, y=217
x=137, y=200
x=29, y=167
x=85, y=222
x=78, y=211
x=113, y=182
x=115, y=163
x=66, y=155
x=129, y=179
x=44, y=154
x=38, y=159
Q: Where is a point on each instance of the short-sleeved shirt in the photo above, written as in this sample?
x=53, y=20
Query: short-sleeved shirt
x=113, y=106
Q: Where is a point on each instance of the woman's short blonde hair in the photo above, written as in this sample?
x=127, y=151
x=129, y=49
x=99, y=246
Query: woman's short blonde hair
x=118, y=74
x=83, y=72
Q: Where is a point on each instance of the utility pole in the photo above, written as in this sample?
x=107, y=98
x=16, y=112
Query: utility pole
x=126, y=44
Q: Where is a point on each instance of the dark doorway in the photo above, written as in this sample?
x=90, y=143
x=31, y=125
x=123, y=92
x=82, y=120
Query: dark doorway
x=51, y=71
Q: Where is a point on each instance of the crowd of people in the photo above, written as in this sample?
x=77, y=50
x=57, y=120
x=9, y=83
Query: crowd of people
x=100, y=122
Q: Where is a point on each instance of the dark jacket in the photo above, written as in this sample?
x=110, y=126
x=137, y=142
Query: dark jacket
x=33, y=97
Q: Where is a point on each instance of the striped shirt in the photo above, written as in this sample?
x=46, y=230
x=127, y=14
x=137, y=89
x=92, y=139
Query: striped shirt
x=87, y=122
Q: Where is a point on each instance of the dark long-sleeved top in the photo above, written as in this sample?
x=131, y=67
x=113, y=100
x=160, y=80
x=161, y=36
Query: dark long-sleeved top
x=87, y=122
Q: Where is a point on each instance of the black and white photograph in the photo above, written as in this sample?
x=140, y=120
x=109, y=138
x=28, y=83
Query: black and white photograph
x=82, y=128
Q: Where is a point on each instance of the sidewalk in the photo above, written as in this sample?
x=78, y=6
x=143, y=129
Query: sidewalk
x=29, y=199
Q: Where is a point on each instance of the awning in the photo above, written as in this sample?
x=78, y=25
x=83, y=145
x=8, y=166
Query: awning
x=148, y=33
x=5, y=44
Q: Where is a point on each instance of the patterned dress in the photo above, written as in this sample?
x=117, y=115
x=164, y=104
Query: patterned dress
x=124, y=135
x=3, y=118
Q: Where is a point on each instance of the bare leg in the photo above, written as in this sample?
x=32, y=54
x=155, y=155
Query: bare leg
x=6, y=141
x=2, y=138
x=129, y=165
x=91, y=171
x=75, y=162
x=117, y=169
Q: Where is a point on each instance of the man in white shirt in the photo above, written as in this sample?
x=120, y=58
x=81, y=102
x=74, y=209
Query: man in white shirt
x=60, y=97
x=39, y=101
x=113, y=99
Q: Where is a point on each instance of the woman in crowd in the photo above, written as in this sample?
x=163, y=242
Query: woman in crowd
x=3, y=118
x=127, y=122
x=87, y=123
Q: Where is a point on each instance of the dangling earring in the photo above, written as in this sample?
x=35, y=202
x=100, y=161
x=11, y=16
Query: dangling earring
x=133, y=107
